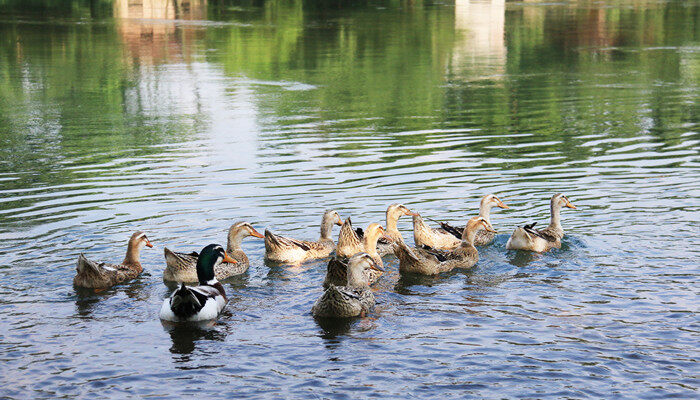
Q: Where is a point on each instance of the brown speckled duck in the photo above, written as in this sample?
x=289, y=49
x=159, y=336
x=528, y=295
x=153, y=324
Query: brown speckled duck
x=349, y=240
x=428, y=261
x=355, y=299
x=337, y=266
x=96, y=275
x=449, y=237
x=393, y=213
x=182, y=267
x=529, y=238
x=292, y=251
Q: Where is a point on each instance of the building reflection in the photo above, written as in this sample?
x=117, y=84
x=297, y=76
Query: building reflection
x=479, y=49
x=150, y=30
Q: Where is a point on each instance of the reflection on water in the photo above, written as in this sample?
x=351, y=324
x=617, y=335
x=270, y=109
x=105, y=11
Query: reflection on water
x=480, y=47
x=181, y=117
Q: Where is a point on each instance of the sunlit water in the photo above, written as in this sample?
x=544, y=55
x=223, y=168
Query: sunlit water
x=182, y=121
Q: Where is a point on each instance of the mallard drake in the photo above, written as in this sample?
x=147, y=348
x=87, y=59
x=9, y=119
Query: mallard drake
x=429, y=261
x=182, y=267
x=352, y=300
x=337, y=266
x=393, y=213
x=529, y=238
x=94, y=275
x=449, y=237
x=203, y=302
x=287, y=250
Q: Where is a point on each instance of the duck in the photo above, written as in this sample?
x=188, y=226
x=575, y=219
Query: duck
x=450, y=237
x=541, y=240
x=337, y=267
x=203, y=302
x=355, y=299
x=292, y=251
x=97, y=275
x=349, y=240
x=393, y=213
x=182, y=267
x=428, y=261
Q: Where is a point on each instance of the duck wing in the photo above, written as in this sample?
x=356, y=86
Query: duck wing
x=439, y=255
x=177, y=260
x=285, y=242
x=548, y=234
x=456, y=232
x=187, y=302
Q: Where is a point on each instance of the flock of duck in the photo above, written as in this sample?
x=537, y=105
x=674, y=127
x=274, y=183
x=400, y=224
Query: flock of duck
x=356, y=265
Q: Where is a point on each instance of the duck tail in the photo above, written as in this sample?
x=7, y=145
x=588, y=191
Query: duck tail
x=184, y=303
x=404, y=253
x=85, y=266
x=271, y=240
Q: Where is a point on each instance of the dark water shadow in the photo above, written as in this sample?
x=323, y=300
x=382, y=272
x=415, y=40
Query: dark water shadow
x=335, y=327
x=185, y=336
x=407, y=280
x=87, y=299
x=522, y=258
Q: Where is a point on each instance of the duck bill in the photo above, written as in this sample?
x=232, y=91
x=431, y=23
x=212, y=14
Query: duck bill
x=489, y=228
x=571, y=205
x=412, y=214
x=339, y=222
x=228, y=259
x=256, y=234
x=376, y=267
x=502, y=205
x=148, y=243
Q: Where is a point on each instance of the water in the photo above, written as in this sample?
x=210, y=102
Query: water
x=118, y=117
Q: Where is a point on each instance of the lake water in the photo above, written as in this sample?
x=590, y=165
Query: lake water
x=180, y=118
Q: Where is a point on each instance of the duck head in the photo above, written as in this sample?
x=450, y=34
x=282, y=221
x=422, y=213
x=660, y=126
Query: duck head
x=136, y=243
x=559, y=201
x=394, y=212
x=239, y=231
x=356, y=267
x=330, y=217
x=210, y=256
x=474, y=225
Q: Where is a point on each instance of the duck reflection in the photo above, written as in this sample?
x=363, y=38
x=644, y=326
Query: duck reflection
x=87, y=299
x=521, y=258
x=185, y=336
x=407, y=280
x=334, y=327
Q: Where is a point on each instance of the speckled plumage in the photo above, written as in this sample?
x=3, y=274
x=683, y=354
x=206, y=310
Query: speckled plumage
x=181, y=267
x=354, y=299
x=393, y=213
x=449, y=237
x=337, y=266
x=529, y=238
x=343, y=302
x=432, y=262
x=287, y=250
x=96, y=275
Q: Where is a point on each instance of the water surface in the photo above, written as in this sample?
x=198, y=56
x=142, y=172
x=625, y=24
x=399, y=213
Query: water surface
x=182, y=120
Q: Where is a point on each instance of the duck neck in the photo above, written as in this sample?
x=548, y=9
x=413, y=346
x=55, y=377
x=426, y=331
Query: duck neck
x=555, y=218
x=468, y=236
x=235, y=238
x=133, y=254
x=370, y=243
x=326, y=227
x=391, y=221
x=485, y=211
